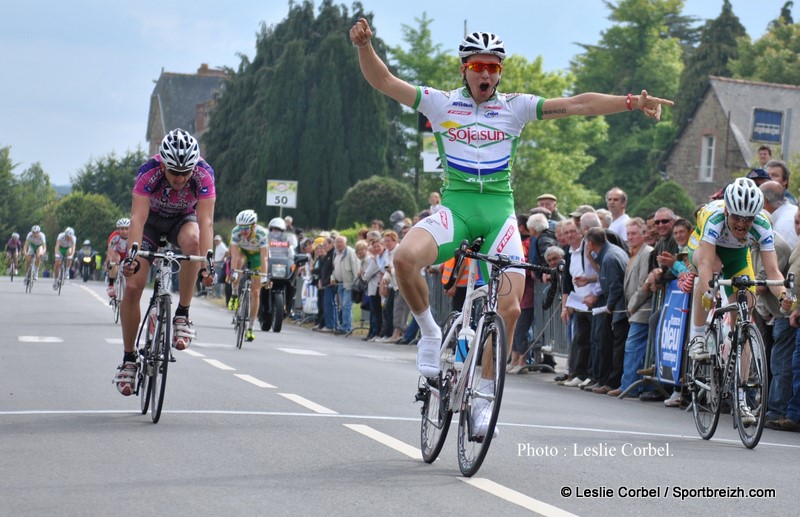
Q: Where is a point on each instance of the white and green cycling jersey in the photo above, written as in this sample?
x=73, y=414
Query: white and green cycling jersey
x=713, y=228
x=476, y=144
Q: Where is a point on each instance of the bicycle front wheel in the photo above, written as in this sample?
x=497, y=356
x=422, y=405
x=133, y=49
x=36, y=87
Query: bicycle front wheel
x=705, y=385
x=144, y=377
x=161, y=356
x=751, y=386
x=483, y=393
x=61, y=276
x=243, y=316
x=436, y=394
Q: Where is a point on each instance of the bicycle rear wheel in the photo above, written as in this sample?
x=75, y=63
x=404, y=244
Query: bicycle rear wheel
x=436, y=394
x=751, y=385
x=704, y=384
x=482, y=396
x=161, y=356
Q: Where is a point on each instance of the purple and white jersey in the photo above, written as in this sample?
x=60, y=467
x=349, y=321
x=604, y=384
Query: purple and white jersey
x=168, y=202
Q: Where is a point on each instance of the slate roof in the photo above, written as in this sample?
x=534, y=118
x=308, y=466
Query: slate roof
x=177, y=95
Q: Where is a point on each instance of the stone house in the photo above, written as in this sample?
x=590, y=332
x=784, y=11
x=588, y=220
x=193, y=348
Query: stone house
x=731, y=120
x=184, y=101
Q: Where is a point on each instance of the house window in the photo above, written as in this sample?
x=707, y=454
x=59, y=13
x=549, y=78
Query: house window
x=707, y=160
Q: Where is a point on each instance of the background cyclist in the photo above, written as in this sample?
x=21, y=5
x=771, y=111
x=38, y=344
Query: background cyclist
x=173, y=195
x=34, y=248
x=248, y=248
x=721, y=243
x=13, y=249
x=117, y=251
x=477, y=198
x=64, y=248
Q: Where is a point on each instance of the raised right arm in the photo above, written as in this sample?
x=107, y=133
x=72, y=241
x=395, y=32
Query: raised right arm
x=375, y=70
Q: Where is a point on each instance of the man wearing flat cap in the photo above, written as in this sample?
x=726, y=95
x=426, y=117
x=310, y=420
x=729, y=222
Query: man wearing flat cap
x=550, y=202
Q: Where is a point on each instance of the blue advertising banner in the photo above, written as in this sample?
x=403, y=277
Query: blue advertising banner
x=671, y=334
x=767, y=126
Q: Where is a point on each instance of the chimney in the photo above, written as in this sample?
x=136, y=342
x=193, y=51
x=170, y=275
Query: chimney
x=203, y=70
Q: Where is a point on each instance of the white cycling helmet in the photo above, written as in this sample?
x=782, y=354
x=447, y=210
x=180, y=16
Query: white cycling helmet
x=482, y=43
x=179, y=151
x=87, y=242
x=35, y=228
x=69, y=232
x=278, y=223
x=15, y=235
x=124, y=223
x=743, y=198
x=246, y=218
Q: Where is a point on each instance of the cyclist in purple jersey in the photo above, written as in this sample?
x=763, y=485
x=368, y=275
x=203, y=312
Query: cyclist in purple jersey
x=13, y=249
x=174, y=196
x=477, y=129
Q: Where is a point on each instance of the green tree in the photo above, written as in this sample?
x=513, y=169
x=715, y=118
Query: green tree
x=299, y=111
x=93, y=216
x=8, y=202
x=33, y=193
x=642, y=49
x=111, y=176
x=772, y=58
x=718, y=46
x=374, y=198
x=669, y=194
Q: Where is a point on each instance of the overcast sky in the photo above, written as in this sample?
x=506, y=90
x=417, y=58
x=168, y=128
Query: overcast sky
x=78, y=75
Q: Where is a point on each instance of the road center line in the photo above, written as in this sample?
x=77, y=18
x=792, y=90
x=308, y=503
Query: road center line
x=192, y=353
x=389, y=441
x=253, y=380
x=313, y=406
x=512, y=496
x=221, y=366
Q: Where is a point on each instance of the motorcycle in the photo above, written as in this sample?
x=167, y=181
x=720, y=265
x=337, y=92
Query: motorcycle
x=274, y=300
x=87, y=267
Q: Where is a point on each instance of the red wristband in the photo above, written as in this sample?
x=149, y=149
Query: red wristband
x=629, y=102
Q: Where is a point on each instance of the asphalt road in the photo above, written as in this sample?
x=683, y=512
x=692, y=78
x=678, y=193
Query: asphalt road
x=299, y=423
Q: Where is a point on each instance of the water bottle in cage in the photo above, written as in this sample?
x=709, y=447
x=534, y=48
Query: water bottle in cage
x=465, y=337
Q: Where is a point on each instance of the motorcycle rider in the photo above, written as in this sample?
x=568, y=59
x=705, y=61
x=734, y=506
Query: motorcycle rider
x=117, y=251
x=248, y=247
x=64, y=247
x=86, y=251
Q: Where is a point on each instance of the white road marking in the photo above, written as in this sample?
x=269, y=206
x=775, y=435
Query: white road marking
x=300, y=351
x=97, y=297
x=40, y=339
x=192, y=353
x=512, y=496
x=391, y=442
x=313, y=406
x=114, y=340
x=253, y=380
x=221, y=366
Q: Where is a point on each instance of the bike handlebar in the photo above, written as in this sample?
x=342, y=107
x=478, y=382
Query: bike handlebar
x=501, y=261
x=744, y=282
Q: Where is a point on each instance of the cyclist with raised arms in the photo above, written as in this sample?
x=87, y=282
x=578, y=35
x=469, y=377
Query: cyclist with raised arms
x=13, y=249
x=477, y=130
x=117, y=252
x=248, y=248
x=721, y=243
x=34, y=248
x=64, y=247
x=173, y=195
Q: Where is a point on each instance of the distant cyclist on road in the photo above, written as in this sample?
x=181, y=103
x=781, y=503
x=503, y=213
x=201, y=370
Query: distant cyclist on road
x=249, y=242
x=64, y=248
x=477, y=130
x=35, y=247
x=721, y=243
x=13, y=249
x=173, y=195
x=117, y=252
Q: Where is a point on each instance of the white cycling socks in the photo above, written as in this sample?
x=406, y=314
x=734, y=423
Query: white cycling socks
x=427, y=324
